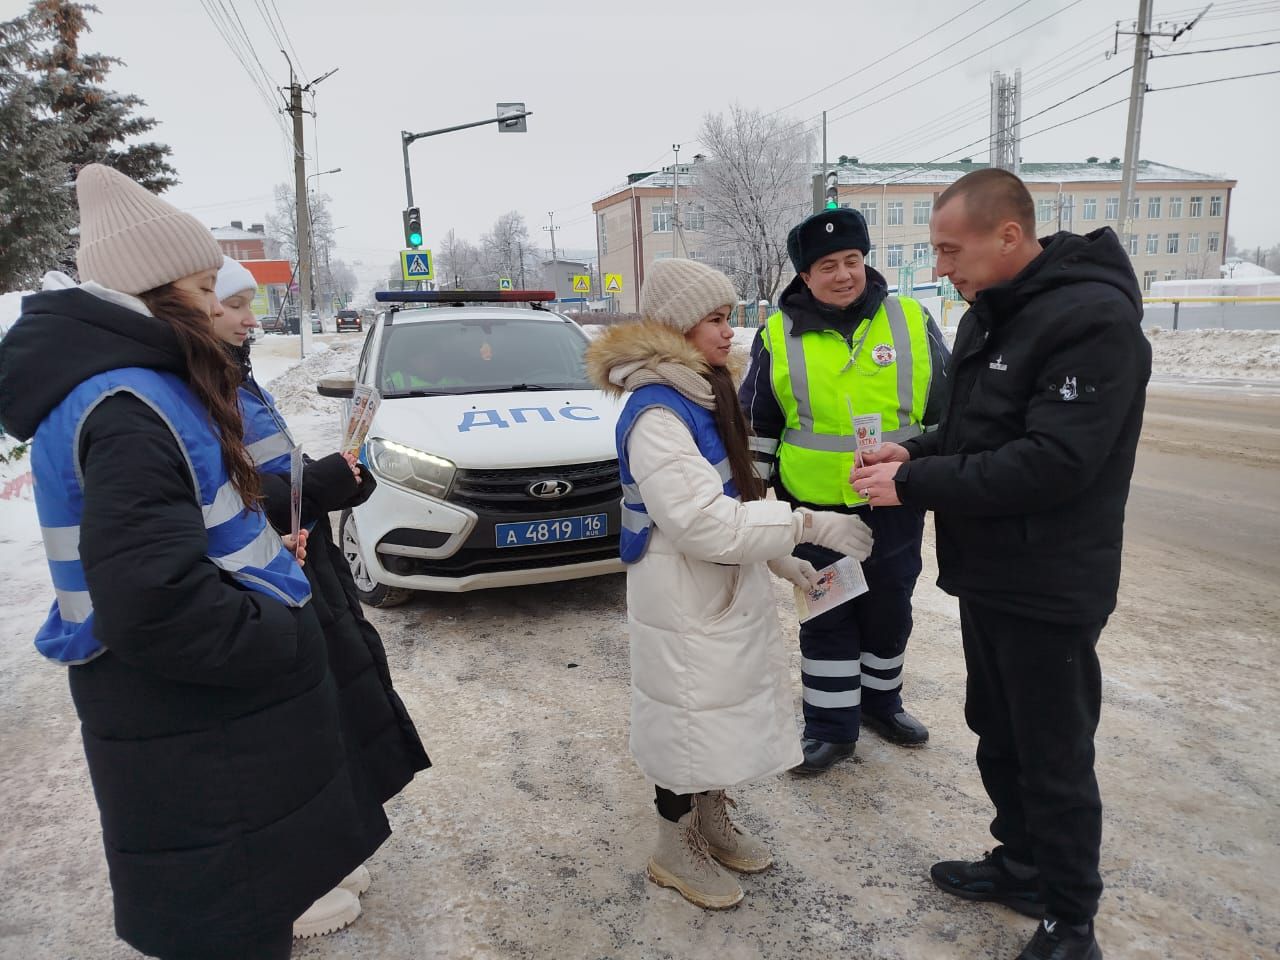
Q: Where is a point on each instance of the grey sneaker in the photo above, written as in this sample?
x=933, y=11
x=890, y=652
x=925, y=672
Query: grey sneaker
x=726, y=841
x=335, y=910
x=683, y=862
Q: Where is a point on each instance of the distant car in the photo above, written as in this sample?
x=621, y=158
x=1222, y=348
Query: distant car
x=272, y=323
x=348, y=320
x=316, y=325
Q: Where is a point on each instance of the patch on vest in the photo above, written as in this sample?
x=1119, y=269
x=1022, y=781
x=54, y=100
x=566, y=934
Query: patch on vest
x=884, y=354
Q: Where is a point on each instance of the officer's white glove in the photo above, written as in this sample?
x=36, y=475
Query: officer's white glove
x=841, y=532
x=800, y=572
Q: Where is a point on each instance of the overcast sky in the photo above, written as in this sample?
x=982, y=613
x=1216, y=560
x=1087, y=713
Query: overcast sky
x=613, y=85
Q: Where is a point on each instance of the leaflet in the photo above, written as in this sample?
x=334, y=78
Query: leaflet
x=295, y=493
x=839, y=583
x=365, y=401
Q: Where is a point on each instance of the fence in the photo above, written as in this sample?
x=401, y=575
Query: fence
x=1211, y=313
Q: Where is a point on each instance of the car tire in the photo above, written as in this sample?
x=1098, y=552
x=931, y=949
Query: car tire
x=371, y=593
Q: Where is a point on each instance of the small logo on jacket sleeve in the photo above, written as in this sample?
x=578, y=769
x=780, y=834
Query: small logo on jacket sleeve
x=998, y=364
x=1068, y=390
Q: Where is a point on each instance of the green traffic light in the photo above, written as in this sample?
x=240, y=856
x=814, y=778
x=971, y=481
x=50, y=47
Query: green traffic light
x=415, y=239
x=832, y=205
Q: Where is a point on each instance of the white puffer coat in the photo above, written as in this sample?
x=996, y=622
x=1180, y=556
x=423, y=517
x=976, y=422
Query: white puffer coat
x=711, y=700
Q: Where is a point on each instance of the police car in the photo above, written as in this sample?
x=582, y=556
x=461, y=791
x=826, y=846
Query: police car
x=494, y=455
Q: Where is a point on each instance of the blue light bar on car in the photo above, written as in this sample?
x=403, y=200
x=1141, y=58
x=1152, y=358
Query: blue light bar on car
x=464, y=296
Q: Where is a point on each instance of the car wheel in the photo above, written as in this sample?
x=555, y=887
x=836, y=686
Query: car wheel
x=371, y=593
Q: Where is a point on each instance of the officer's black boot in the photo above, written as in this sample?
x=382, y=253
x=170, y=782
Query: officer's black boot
x=1057, y=940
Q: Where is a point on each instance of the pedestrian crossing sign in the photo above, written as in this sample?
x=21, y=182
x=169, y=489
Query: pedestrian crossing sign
x=416, y=265
x=613, y=283
x=504, y=283
x=581, y=283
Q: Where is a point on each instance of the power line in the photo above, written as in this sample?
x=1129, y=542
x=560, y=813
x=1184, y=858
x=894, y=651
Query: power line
x=289, y=42
x=1205, y=83
x=1190, y=53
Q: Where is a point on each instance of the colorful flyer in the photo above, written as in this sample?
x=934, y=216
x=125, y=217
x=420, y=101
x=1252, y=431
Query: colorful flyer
x=365, y=401
x=837, y=584
x=867, y=429
x=295, y=493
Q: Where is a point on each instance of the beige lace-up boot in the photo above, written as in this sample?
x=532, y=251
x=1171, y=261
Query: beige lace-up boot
x=726, y=841
x=683, y=863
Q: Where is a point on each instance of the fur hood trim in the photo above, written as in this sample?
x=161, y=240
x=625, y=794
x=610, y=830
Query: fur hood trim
x=644, y=345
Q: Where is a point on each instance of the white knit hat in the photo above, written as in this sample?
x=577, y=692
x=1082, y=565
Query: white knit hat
x=233, y=278
x=679, y=293
x=131, y=240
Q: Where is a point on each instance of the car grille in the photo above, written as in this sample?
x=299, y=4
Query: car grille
x=507, y=491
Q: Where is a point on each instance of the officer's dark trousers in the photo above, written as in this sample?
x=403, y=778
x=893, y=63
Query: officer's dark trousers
x=852, y=656
x=1033, y=697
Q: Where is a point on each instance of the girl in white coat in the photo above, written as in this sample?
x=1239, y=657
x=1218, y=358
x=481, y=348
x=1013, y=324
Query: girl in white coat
x=712, y=705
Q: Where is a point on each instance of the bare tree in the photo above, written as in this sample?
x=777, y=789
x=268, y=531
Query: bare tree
x=505, y=250
x=755, y=186
x=458, y=264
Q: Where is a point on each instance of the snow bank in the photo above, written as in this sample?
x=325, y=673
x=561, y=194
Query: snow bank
x=1217, y=354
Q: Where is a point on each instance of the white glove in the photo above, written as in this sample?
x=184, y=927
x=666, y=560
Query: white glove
x=841, y=532
x=800, y=572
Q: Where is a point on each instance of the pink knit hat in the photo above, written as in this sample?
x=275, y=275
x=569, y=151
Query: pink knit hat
x=131, y=240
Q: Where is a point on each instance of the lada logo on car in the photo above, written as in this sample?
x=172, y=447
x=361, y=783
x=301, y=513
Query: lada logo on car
x=550, y=489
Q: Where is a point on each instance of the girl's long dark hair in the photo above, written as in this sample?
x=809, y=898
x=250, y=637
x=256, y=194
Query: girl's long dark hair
x=732, y=424
x=214, y=378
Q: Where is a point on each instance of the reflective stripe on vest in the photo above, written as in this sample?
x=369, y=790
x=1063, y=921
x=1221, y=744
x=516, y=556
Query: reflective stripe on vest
x=817, y=379
x=266, y=436
x=636, y=523
x=239, y=541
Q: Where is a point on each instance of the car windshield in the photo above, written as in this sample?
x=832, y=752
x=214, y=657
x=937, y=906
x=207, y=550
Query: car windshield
x=482, y=354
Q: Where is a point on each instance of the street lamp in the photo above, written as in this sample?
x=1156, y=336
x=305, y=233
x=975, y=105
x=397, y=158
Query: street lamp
x=322, y=173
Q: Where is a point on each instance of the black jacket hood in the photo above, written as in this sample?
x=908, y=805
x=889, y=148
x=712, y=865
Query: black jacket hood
x=66, y=336
x=1065, y=259
x=808, y=313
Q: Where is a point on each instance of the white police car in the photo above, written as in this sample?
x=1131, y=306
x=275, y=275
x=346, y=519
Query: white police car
x=494, y=455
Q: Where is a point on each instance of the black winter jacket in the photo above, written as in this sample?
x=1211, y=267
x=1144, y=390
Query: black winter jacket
x=375, y=720
x=1029, y=471
x=211, y=726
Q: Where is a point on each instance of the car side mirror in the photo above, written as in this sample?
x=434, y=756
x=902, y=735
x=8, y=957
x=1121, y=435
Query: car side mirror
x=340, y=387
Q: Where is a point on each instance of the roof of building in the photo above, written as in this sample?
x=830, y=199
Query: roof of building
x=865, y=174
x=235, y=233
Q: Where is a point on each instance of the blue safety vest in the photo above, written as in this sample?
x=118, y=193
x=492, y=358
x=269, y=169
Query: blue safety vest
x=266, y=436
x=636, y=524
x=240, y=542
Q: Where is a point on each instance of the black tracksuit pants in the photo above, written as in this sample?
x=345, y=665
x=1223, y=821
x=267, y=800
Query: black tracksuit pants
x=1033, y=697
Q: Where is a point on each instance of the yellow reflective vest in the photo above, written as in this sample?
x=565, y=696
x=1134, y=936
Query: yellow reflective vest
x=820, y=377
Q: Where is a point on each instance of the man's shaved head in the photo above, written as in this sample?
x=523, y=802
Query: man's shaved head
x=991, y=197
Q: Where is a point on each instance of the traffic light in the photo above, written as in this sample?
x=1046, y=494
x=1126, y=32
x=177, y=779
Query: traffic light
x=833, y=191
x=413, y=228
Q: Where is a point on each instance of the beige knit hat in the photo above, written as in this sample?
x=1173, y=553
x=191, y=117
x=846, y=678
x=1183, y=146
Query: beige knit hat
x=131, y=240
x=679, y=293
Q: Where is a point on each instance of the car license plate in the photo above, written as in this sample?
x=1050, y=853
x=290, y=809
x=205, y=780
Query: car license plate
x=529, y=533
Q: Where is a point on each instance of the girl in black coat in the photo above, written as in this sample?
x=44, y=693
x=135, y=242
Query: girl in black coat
x=197, y=663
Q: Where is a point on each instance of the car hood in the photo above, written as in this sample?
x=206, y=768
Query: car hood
x=504, y=430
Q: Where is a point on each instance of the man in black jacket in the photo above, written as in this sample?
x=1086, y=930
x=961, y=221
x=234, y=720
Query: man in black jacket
x=1028, y=475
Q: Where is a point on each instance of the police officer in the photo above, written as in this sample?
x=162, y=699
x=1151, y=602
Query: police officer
x=840, y=346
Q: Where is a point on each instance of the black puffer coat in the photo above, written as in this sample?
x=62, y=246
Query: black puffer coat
x=1029, y=472
x=228, y=798
x=375, y=719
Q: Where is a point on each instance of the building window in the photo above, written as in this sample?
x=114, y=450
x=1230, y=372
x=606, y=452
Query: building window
x=1175, y=208
x=1173, y=244
x=922, y=252
x=1090, y=209
x=895, y=255
x=1196, y=207
x=1148, y=278
x=695, y=217
x=920, y=211
x=1171, y=274
x=1044, y=211
x=1153, y=208
x=604, y=236
x=1213, y=241
x=696, y=255
x=1193, y=243
x=1153, y=244
x=1215, y=206
x=1113, y=208
x=1131, y=244
x=662, y=218
x=870, y=259
x=871, y=213
x=895, y=213
x=1135, y=208
x=724, y=261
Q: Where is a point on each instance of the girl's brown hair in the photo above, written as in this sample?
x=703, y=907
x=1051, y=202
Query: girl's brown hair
x=732, y=424
x=213, y=378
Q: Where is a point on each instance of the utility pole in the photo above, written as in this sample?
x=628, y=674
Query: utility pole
x=675, y=202
x=824, y=146
x=1142, y=34
x=300, y=203
x=552, y=230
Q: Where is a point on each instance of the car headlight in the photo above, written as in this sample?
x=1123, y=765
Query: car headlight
x=411, y=468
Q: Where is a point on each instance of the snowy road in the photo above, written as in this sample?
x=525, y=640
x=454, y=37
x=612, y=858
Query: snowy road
x=528, y=837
